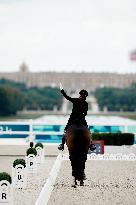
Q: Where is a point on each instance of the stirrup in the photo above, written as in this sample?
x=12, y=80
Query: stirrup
x=61, y=147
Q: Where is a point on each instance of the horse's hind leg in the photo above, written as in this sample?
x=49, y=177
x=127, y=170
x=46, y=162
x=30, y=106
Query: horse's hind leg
x=81, y=183
x=74, y=182
x=83, y=176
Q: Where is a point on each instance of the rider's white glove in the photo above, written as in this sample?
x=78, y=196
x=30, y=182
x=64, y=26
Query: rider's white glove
x=61, y=88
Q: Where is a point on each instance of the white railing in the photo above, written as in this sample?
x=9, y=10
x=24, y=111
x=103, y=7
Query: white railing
x=30, y=123
x=33, y=122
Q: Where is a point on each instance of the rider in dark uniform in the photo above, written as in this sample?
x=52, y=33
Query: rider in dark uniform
x=79, y=111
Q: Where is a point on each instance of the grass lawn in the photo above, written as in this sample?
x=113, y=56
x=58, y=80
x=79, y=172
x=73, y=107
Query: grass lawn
x=35, y=115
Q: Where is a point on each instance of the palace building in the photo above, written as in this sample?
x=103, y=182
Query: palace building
x=71, y=80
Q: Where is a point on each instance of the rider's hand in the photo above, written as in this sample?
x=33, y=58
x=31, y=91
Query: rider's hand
x=61, y=88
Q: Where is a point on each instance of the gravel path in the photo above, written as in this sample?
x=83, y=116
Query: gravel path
x=108, y=182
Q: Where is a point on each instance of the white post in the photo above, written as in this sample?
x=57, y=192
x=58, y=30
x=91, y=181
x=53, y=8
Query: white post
x=31, y=135
x=19, y=176
x=40, y=155
x=31, y=163
x=126, y=129
x=6, y=193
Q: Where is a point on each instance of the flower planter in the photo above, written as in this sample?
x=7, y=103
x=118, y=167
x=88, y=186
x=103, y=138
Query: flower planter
x=40, y=153
x=6, y=193
x=19, y=173
x=31, y=163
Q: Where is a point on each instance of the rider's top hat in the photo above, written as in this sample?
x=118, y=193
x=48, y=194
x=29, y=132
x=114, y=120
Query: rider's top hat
x=83, y=93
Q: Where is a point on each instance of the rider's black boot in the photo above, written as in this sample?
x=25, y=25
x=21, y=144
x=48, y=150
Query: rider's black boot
x=61, y=146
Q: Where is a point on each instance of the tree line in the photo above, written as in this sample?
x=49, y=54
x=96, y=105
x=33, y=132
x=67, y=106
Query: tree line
x=17, y=96
x=117, y=99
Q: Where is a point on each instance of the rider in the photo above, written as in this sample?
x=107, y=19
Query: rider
x=79, y=111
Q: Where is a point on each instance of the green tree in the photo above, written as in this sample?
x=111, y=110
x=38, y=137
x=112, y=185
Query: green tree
x=11, y=100
x=116, y=99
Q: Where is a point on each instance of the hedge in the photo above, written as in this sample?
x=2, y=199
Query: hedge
x=19, y=161
x=5, y=176
x=39, y=145
x=117, y=139
x=31, y=151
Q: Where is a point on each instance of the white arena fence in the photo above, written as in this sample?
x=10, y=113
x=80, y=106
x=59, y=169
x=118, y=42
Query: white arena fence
x=31, y=129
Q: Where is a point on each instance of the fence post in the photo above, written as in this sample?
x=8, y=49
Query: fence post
x=31, y=135
x=126, y=129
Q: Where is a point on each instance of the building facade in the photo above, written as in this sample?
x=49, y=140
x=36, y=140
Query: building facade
x=70, y=81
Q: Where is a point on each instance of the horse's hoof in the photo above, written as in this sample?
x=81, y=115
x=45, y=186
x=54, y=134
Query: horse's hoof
x=81, y=183
x=84, y=177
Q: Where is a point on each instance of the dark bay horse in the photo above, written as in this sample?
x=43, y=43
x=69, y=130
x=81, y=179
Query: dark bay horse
x=78, y=139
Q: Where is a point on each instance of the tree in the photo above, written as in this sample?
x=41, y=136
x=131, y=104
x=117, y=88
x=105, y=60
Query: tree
x=11, y=100
x=117, y=99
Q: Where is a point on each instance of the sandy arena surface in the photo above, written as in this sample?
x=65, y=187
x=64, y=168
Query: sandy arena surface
x=35, y=182
x=108, y=183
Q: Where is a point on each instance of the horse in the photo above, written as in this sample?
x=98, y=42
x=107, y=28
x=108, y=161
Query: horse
x=78, y=140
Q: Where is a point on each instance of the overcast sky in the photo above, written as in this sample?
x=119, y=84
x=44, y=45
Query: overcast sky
x=70, y=35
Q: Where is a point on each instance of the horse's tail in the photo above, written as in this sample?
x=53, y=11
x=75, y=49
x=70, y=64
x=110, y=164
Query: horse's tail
x=78, y=141
x=81, y=139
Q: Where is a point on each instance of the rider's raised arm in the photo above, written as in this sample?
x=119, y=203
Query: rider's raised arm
x=66, y=96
